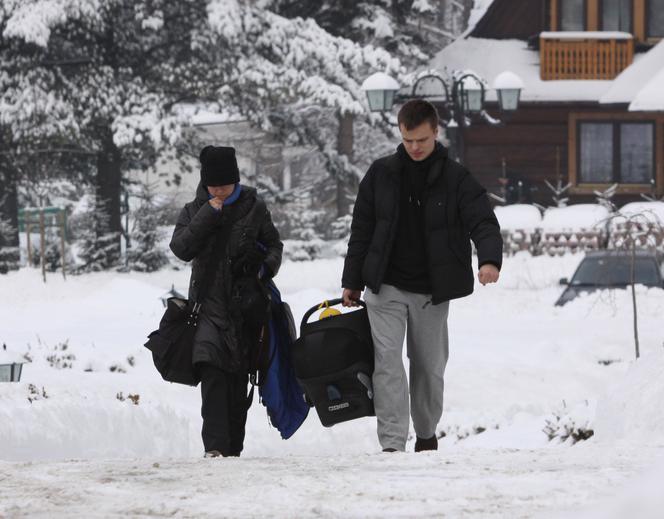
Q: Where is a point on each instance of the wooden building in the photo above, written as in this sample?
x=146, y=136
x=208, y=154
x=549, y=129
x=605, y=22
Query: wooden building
x=592, y=109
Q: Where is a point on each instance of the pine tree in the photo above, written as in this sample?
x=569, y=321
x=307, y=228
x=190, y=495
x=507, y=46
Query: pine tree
x=145, y=254
x=96, y=243
x=114, y=73
x=9, y=255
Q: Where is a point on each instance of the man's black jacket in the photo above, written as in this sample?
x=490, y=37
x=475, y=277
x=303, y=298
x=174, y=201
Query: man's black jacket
x=456, y=210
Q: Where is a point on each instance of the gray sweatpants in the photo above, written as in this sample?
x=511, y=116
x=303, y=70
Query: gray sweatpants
x=427, y=348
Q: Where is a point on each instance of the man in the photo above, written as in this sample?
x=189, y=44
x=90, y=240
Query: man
x=415, y=214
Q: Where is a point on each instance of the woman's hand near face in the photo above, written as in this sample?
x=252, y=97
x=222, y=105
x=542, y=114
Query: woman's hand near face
x=217, y=203
x=219, y=194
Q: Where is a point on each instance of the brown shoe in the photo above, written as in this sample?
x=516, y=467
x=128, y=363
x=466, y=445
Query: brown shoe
x=426, y=444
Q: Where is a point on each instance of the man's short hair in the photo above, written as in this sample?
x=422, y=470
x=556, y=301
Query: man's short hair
x=416, y=112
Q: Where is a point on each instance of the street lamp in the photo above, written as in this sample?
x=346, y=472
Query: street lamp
x=509, y=86
x=469, y=88
x=381, y=90
x=465, y=98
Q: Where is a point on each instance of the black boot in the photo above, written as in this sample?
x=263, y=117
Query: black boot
x=426, y=444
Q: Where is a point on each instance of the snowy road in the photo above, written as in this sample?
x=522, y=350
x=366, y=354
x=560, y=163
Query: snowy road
x=456, y=483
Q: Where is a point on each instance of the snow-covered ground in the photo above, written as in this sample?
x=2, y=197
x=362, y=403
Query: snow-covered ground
x=74, y=444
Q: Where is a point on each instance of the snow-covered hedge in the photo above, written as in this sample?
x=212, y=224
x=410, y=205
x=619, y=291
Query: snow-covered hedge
x=579, y=227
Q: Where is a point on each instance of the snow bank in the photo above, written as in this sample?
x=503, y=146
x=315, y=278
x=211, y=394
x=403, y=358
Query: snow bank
x=631, y=408
x=574, y=217
x=54, y=427
x=518, y=217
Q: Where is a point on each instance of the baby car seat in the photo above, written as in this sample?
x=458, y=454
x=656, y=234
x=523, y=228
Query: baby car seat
x=334, y=361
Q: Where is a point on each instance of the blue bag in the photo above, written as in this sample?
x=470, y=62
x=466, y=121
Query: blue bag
x=281, y=393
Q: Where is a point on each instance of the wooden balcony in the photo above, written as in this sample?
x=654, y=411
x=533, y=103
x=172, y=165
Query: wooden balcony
x=584, y=55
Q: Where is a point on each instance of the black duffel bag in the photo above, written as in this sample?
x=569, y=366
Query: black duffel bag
x=172, y=344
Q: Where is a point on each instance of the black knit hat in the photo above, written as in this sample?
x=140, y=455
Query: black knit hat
x=218, y=166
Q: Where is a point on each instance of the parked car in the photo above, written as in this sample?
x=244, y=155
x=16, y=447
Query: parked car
x=608, y=269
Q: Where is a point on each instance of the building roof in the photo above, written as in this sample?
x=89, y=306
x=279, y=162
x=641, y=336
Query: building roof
x=487, y=50
x=506, y=19
x=490, y=57
x=641, y=84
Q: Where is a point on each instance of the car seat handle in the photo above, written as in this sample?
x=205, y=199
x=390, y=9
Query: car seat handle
x=326, y=304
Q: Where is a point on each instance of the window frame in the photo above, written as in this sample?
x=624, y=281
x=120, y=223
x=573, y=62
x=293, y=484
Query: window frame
x=646, y=25
x=600, y=17
x=579, y=187
x=560, y=15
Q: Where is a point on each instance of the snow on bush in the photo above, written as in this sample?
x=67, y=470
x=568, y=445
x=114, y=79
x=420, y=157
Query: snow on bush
x=570, y=424
x=303, y=250
x=574, y=217
x=631, y=408
x=518, y=216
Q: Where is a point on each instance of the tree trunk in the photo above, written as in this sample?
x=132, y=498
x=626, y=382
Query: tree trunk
x=109, y=186
x=345, y=147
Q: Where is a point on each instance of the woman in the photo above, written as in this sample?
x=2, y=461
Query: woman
x=227, y=225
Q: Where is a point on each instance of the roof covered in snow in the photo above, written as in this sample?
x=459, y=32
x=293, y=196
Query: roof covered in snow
x=489, y=58
x=641, y=84
x=506, y=19
x=488, y=51
x=480, y=7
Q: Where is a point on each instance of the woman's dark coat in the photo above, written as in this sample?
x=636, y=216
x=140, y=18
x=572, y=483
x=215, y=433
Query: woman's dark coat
x=219, y=336
x=456, y=210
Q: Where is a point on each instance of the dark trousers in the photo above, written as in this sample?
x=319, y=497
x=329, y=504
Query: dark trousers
x=224, y=410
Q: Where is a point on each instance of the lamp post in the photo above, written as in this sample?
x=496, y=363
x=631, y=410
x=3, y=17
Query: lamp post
x=463, y=98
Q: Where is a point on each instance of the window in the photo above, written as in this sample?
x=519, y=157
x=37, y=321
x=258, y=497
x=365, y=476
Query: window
x=656, y=18
x=596, y=153
x=572, y=15
x=616, y=15
x=636, y=153
x=615, y=270
x=620, y=152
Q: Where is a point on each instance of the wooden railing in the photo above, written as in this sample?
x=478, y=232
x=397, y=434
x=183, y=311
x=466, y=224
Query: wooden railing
x=584, y=55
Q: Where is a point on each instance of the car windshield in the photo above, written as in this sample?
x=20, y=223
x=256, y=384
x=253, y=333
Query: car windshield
x=615, y=271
